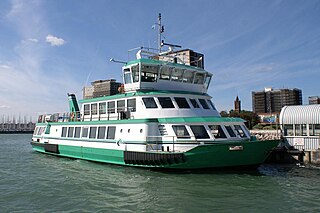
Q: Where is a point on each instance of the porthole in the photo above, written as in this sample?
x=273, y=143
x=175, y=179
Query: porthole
x=128, y=130
x=120, y=130
x=141, y=130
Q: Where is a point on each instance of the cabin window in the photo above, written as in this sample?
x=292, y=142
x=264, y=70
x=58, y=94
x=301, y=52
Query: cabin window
x=111, y=107
x=94, y=109
x=70, y=132
x=149, y=73
x=217, y=131
x=182, y=102
x=149, y=103
x=288, y=130
x=199, y=132
x=121, y=106
x=64, y=132
x=86, y=109
x=297, y=131
x=111, y=132
x=177, y=75
x=314, y=129
x=194, y=103
x=230, y=131
x=101, y=132
x=35, y=130
x=204, y=104
x=85, y=131
x=38, y=130
x=93, y=132
x=212, y=105
x=135, y=73
x=199, y=78
x=127, y=76
x=165, y=73
x=165, y=102
x=240, y=131
x=188, y=76
x=102, y=108
x=77, y=132
x=207, y=81
x=181, y=131
x=131, y=104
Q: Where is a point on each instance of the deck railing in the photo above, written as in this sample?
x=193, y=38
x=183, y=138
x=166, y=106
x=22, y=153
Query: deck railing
x=155, y=143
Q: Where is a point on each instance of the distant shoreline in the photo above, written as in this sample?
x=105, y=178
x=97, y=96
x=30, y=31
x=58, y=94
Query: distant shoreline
x=16, y=132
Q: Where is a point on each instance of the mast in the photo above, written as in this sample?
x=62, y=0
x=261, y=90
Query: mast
x=160, y=31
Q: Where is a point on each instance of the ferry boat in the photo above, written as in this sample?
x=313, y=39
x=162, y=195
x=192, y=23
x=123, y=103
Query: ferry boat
x=162, y=118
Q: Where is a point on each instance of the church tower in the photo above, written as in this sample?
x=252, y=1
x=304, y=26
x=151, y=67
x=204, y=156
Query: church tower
x=237, y=105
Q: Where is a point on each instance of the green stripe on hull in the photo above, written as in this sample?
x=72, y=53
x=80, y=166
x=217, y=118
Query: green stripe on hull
x=203, y=156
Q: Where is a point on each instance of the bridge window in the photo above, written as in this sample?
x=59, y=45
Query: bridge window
x=199, y=132
x=101, y=132
x=217, y=131
x=165, y=73
x=182, y=102
x=199, y=78
x=304, y=129
x=135, y=73
x=127, y=76
x=93, y=132
x=240, y=131
x=165, y=102
x=86, y=109
x=94, y=109
x=230, y=131
x=102, y=108
x=149, y=73
x=188, y=76
x=181, y=131
x=177, y=75
x=194, y=103
x=297, y=131
x=204, y=104
x=111, y=132
x=111, y=107
x=212, y=105
x=149, y=103
x=77, y=132
x=207, y=81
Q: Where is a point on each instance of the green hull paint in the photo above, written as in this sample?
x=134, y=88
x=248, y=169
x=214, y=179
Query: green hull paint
x=203, y=156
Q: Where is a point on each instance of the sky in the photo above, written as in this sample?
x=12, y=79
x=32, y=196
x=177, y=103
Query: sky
x=51, y=48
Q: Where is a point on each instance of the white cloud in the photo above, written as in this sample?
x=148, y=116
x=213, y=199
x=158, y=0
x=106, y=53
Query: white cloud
x=54, y=41
x=33, y=40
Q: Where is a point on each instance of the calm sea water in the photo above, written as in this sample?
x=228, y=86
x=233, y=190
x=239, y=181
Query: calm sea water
x=35, y=182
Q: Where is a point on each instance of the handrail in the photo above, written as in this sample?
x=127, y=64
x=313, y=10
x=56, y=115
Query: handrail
x=155, y=139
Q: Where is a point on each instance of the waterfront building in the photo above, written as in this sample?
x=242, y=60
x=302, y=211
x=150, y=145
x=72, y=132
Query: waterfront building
x=301, y=126
x=314, y=100
x=101, y=88
x=271, y=101
x=237, y=105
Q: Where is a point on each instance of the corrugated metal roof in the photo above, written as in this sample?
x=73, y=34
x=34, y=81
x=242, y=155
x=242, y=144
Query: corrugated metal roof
x=308, y=114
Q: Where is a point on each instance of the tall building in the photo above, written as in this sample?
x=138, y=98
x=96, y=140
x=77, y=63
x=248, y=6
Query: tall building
x=101, y=88
x=314, y=100
x=237, y=105
x=271, y=101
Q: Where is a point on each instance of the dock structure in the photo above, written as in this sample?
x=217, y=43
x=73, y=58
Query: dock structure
x=300, y=127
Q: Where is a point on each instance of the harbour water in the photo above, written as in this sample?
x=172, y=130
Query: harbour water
x=34, y=182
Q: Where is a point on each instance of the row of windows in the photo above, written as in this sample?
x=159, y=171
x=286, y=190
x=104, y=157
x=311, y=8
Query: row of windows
x=166, y=102
x=301, y=129
x=110, y=107
x=101, y=132
x=200, y=131
x=151, y=73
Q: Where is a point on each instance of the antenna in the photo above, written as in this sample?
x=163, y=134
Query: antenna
x=160, y=30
